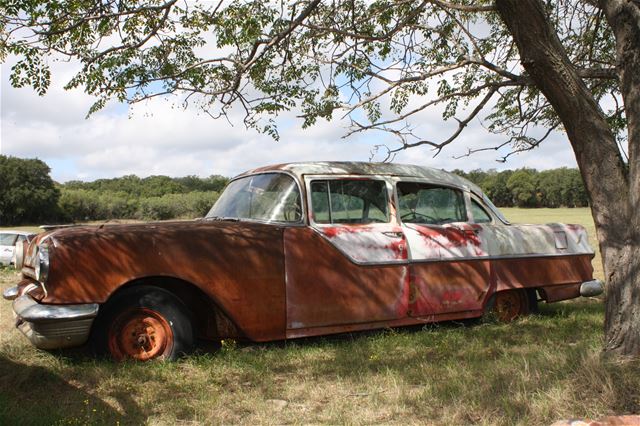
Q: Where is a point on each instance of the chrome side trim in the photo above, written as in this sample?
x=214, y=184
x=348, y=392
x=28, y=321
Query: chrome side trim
x=591, y=288
x=31, y=311
x=10, y=293
x=446, y=259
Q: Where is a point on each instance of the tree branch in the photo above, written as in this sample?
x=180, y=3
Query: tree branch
x=463, y=7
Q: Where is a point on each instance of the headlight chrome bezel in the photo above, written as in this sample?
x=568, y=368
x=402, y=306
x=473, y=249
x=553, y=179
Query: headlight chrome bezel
x=42, y=263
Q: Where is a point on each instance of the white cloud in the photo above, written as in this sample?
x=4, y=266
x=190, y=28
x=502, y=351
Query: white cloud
x=159, y=138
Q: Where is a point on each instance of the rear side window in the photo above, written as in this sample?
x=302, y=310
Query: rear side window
x=356, y=201
x=429, y=204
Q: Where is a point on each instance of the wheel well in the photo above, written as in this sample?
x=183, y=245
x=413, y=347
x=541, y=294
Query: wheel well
x=209, y=320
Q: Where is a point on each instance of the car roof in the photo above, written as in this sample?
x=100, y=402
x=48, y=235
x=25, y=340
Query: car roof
x=366, y=168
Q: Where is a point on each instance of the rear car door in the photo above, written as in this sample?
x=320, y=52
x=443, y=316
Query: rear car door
x=449, y=270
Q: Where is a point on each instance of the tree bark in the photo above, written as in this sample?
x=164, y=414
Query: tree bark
x=622, y=320
x=612, y=186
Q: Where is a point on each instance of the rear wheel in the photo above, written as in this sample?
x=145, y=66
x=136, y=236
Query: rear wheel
x=144, y=323
x=511, y=304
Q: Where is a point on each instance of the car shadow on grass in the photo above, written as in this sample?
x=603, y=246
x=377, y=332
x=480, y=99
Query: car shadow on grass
x=34, y=395
x=585, y=310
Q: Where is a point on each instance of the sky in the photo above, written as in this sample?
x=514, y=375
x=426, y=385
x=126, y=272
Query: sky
x=159, y=137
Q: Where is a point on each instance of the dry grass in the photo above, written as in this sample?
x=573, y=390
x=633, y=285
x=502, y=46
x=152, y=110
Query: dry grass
x=533, y=371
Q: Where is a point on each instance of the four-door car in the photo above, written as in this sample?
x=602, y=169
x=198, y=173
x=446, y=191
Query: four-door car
x=296, y=250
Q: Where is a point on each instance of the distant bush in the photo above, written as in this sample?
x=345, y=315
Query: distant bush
x=152, y=186
x=27, y=192
x=531, y=188
x=82, y=205
x=169, y=206
x=131, y=197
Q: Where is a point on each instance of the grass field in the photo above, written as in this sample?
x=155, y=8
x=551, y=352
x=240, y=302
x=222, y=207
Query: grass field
x=534, y=371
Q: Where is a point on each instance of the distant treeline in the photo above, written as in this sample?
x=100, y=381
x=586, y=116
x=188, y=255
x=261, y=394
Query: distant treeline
x=29, y=195
x=132, y=197
x=530, y=188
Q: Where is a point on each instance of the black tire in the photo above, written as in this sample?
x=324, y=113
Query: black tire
x=143, y=323
x=532, y=294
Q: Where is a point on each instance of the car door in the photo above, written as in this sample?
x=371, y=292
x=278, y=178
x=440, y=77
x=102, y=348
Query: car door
x=449, y=270
x=350, y=265
x=7, y=243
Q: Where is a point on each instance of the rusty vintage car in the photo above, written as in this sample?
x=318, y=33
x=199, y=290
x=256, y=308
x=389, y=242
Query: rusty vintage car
x=296, y=250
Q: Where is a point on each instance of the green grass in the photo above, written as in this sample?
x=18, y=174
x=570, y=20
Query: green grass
x=534, y=371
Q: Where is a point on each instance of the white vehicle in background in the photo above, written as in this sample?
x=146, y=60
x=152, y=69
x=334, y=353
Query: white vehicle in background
x=8, y=240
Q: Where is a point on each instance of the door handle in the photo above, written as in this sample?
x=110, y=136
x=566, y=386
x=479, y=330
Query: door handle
x=392, y=234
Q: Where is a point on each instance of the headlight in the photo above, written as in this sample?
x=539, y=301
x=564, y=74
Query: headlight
x=42, y=263
x=19, y=253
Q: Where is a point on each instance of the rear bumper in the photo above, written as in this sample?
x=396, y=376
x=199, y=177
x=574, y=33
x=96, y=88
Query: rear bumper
x=54, y=326
x=591, y=288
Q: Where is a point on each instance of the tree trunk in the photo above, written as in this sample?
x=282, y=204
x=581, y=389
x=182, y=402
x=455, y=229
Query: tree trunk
x=612, y=186
x=622, y=320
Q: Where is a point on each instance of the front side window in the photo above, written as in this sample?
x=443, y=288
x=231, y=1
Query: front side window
x=356, y=201
x=479, y=214
x=429, y=204
x=494, y=209
x=267, y=197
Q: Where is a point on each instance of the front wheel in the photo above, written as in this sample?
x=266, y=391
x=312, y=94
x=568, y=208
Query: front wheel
x=144, y=323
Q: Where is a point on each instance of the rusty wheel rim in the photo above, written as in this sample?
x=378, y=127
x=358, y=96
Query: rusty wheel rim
x=509, y=305
x=140, y=334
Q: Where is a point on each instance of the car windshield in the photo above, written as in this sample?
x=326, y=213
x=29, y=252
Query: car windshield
x=495, y=210
x=271, y=197
x=7, y=239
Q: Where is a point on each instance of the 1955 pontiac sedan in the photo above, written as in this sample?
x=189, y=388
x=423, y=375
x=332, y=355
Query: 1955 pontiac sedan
x=296, y=250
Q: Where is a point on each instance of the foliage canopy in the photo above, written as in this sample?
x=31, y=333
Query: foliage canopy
x=27, y=192
x=376, y=62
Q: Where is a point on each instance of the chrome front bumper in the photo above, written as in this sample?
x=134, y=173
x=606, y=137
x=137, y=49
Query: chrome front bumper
x=52, y=326
x=591, y=288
